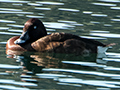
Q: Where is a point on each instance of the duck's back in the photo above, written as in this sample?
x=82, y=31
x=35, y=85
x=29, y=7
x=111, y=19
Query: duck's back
x=66, y=43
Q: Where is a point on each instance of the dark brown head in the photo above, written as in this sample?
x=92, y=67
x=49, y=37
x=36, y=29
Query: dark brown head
x=33, y=30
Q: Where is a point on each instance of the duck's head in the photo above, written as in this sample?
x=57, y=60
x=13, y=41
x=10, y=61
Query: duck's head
x=33, y=30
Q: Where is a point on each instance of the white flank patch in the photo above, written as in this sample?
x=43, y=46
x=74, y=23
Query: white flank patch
x=101, y=49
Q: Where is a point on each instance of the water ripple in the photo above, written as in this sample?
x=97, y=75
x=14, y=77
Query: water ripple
x=109, y=84
x=116, y=1
x=3, y=42
x=29, y=80
x=16, y=83
x=67, y=9
x=115, y=8
x=84, y=63
x=4, y=28
x=104, y=4
x=100, y=38
x=106, y=35
x=14, y=1
x=50, y=3
x=9, y=33
x=13, y=25
x=57, y=25
x=87, y=12
x=35, y=4
x=42, y=8
x=113, y=55
x=118, y=20
x=32, y=16
x=15, y=30
x=8, y=9
x=99, y=15
x=113, y=69
x=83, y=72
x=107, y=25
x=7, y=21
x=98, y=31
x=52, y=76
x=111, y=59
x=76, y=85
x=5, y=66
x=13, y=87
x=65, y=21
x=14, y=12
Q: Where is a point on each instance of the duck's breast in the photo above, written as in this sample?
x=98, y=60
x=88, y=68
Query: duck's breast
x=12, y=46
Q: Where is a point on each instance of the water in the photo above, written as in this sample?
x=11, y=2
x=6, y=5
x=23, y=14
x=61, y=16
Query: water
x=96, y=19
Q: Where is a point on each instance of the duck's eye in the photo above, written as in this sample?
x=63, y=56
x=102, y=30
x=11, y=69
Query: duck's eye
x=35, y=27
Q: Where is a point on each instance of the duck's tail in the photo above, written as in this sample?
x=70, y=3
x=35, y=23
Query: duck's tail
x=101, y=49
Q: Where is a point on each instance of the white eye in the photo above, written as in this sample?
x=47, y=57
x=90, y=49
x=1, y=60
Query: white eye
x=35, y=27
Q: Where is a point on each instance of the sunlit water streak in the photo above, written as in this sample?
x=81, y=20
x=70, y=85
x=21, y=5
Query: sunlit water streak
x=87, y=12
x=67, y=9
x=83, y=72
x=17, y=83
x=42, y=8
x=4, y=28
x=109, y=84
x=13, y=25
x=118, y=20
x=99, y=15
x=104, y=4
x=115, y=8
x=100, y=38
x=69, y=84
x=7, y=21
x=3, y=42
x=15, y=30
x=14, y=12
x=106, y=35
x=52, y=76
x=50, y=3
x=12, y=87
x=9, y=33
x=58, y=25
x=35, y=4
x=9, y=66
x=13, y=1
x=32, y=16
x=7, y=9
x=107, y=25
x=84, y=64
x=115, y=1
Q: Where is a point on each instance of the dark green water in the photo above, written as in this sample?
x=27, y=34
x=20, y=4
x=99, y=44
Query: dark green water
x=97, y=19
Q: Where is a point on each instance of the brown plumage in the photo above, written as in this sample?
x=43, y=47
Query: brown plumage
x=35, y=38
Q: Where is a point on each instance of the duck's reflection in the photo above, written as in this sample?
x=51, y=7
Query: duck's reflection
x=35, y=61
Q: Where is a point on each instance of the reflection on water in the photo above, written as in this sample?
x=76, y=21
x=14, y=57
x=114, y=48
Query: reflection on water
x=104, y=4
x=95, y=19
x=50, y=3
x=54, y=66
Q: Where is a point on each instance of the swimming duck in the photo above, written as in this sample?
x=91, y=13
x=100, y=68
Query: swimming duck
x=34, y=38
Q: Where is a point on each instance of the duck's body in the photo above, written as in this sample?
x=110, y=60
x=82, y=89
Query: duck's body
x=35, y=38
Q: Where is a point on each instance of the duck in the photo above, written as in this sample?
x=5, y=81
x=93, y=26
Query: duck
x=35, y=38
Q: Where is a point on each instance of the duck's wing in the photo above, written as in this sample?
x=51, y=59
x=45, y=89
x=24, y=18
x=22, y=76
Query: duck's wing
x=89, y=44
x=65, y=36
x=63, y=42
x=47, y=43
x=59, y=42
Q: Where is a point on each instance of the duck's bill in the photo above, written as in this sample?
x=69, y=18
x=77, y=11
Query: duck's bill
x=23, y=38
x=19, y=41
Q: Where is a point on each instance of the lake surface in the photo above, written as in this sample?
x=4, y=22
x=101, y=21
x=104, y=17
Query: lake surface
x=97, y=19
